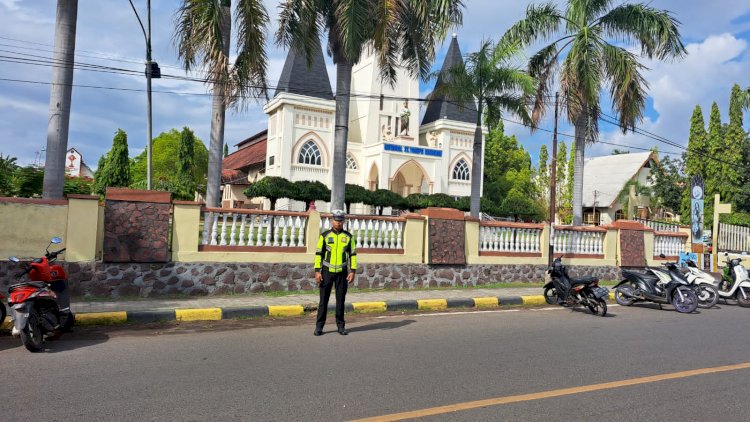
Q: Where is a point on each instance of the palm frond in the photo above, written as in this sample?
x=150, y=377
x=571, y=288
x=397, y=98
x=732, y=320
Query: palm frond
x=300, y=26
x=249, y=71
x=386, y=17
x=541, y=22
x=627, y=84
x=456, y=84
x=354, y=26
x=543, y=66
x=657, y=31
x=515, y=103
x=198, y=32
x=581, y=79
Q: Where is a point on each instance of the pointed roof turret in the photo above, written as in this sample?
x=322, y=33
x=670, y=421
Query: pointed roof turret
x=440, y=107
x=297, y=78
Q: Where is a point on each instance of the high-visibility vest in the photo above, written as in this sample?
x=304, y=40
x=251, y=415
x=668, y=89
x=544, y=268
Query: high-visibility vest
x=335, y=251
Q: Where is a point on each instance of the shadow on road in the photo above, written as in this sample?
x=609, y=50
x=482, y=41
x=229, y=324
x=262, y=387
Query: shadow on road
x=656, y=307
x=387, y=325
x=67, y=342
x=75, y=340
x=610, y=314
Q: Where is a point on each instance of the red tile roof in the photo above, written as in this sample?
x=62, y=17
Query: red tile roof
x=252, y=154
x=234, y=177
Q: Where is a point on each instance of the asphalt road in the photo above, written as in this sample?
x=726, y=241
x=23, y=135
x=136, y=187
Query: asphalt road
x=524, y=363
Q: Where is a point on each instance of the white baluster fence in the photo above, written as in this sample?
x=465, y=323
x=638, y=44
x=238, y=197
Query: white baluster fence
x=668, y=245
x=734, y=238
x=372, y=232
x=585, y=241
x=241, y=228
x=659, y=226
x=510, y=237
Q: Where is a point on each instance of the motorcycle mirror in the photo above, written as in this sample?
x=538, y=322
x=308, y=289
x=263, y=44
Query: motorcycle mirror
x=661, y=255
x=56, y=240
x=14, y=259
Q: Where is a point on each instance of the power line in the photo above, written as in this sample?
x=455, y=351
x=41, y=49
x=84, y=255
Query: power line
x=45, y=61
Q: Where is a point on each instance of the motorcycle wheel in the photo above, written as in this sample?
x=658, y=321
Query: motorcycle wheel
x=31, y=335
x=3, y=313
x=745, y=303
x=689, y=301
x=596, y=306
x=708, y=295
x=550, y=295
x=69, y=323
x=621, y=298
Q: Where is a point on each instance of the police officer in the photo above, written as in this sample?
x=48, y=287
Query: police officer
x=335, y=265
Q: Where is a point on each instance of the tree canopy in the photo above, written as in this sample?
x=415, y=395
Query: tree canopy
x=169, y=162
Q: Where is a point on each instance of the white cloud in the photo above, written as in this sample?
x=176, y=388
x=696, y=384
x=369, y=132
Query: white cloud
x=706, y=75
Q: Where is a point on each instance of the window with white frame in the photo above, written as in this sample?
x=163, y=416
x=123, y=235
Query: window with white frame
x=309, y=154
x=351, y=163
x=461, y=170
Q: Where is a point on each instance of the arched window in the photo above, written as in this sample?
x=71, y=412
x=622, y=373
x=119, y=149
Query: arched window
x=309, y=154
x=461, y=170
x=351, y=163
x=620, y=215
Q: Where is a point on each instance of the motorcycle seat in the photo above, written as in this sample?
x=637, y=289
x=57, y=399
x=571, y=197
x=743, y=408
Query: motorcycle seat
x=588, y=279
x=37, y=284
x=647, y=277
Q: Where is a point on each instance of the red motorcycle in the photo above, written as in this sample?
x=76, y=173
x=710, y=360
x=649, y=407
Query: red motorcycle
x=40, y=307
x=2, y=310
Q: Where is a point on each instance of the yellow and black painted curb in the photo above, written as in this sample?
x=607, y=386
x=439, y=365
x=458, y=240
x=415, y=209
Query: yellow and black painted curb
x=214, y=314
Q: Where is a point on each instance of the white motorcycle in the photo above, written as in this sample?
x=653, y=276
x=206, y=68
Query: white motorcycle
x=739, y=289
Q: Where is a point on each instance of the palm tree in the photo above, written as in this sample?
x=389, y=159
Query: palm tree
x=745, y=99
x=59, y=99
x=489, y=80
x=589, y=61
x=202, y=38
x=402, y=33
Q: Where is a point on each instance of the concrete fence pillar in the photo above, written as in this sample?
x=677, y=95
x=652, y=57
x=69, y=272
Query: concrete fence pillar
x=82, y=228
x=414, y=240
x=313, y=231
x=186, y=220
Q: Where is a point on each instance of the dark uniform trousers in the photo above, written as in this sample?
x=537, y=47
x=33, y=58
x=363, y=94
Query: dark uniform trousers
x=331, y=280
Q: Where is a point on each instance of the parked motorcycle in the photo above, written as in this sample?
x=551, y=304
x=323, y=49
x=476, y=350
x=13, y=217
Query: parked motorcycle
x=658, y=286
x=703, y=284
x=40, y=307
x=738, y=286
x=2, y=309
x=566, y=291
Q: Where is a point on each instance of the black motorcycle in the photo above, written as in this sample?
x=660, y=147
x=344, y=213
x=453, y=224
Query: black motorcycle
x=662, y=286
x=565, y=291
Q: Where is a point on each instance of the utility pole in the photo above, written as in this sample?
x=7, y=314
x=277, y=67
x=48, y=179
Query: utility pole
x=152, y=71
x=553, y=186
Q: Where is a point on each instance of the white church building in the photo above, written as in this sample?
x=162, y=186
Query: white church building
x=388, y=148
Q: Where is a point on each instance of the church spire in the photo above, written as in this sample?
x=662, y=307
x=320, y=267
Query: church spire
x=297, y=78
x=443, y=108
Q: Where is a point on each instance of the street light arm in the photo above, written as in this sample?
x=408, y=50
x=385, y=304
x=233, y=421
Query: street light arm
x=145, y=36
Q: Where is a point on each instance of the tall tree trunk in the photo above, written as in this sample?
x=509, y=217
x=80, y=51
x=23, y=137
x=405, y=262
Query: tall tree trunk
x=580, y=128
x=341, y=134
x=59, y=101
x=476, y=168
x=218, y=113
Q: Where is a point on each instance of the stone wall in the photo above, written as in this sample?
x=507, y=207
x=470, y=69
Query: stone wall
x=99, y=279
x=136, y=231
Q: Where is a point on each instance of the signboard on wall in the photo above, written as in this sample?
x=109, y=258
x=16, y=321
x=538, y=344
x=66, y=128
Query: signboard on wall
x=696, y=209
x=73, y=163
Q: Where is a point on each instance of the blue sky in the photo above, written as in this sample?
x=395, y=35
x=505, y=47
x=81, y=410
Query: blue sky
x=717, y=35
